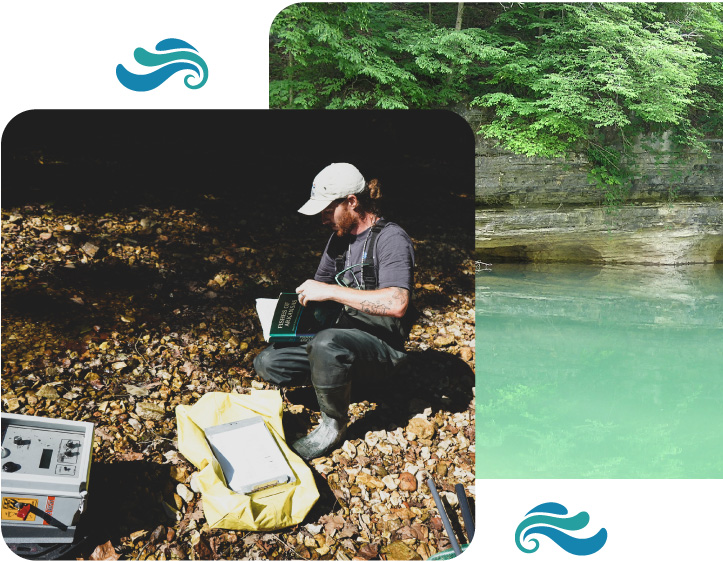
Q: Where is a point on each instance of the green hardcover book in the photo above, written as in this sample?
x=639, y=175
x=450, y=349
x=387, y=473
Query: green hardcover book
x=293, y=322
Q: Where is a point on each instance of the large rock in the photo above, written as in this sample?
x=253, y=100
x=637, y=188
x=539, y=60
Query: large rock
x=676, y=234
x=407, y=482
x=535, y=210
x=663, y=171
x=421, y=428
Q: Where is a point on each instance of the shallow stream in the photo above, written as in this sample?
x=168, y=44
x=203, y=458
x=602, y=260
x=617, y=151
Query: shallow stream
x=599, y=372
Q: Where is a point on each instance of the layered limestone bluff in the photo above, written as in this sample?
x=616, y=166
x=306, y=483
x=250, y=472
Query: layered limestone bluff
x=663, y=234
x=532, y=209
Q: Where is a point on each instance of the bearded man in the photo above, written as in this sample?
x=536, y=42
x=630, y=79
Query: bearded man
x=368, y=267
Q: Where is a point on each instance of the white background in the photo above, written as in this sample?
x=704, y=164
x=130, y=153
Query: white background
x=63, y=55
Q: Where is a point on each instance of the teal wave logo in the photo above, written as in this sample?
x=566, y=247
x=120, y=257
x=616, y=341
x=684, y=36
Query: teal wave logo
x=545, y=520
x=173, y=55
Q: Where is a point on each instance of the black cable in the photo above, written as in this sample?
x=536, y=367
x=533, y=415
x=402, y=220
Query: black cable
x=466, y=513
x=43, y=515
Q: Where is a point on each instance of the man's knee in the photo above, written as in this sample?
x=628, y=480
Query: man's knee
x=332, y=358
x=262, y=365
x=329, y=343
x=283, y=365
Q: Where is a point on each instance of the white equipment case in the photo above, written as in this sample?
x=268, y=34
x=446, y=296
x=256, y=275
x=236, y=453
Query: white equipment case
x=45, y=472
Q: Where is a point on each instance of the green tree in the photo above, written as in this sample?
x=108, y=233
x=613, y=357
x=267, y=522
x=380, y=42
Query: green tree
x=327, y=55
x=703, y=24
x=348, y=56
x=588, y=78
x=556, y=79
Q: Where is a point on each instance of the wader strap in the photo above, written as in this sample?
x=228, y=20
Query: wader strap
x=337, y=248
x=339, y=263
x=369, y=274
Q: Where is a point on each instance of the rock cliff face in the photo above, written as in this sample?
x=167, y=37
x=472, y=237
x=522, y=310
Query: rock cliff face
x=664, y=234
x=546, y=210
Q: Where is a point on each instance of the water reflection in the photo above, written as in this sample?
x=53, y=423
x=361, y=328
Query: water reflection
x=599, y=372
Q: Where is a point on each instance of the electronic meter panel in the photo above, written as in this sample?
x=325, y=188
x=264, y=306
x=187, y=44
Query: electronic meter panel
x=32, y=450
x=45, y=470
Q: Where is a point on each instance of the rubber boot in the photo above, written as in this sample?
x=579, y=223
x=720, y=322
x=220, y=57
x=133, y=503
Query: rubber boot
x=334, y=406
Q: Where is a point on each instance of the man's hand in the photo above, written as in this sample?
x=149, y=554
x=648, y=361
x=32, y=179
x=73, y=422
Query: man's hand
x=311, y=290
x=390, y=301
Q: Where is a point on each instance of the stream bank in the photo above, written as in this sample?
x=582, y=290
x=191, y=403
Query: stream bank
x=546, y=210
x=648, y=233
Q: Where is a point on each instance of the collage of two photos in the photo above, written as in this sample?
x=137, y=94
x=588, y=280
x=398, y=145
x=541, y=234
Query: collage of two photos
x=467, y=245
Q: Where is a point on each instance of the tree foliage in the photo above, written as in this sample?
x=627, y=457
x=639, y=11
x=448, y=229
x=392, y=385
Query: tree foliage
x=555, y=78
x=349, y=56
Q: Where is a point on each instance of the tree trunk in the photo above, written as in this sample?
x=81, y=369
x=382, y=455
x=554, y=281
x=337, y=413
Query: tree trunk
x=540, y=29
x=291, y=80
x=460, y=10
x=457, y=27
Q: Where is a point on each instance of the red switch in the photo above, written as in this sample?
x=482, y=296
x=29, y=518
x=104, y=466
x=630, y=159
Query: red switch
x=24, y=511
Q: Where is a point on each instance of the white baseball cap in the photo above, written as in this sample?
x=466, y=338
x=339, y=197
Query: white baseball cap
x=336, y=181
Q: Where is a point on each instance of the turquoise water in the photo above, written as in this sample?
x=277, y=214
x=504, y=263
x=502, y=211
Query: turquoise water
x=599, y=372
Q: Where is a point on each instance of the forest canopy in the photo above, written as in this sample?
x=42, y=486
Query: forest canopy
x=550, y=78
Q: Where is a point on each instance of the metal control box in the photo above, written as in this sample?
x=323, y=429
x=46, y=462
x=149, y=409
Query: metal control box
x=45, y=468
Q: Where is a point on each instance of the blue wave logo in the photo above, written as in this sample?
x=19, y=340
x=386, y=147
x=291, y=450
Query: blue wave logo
x=542, y=520
x=174, y=55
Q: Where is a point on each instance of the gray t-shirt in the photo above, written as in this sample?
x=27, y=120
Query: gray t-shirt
x=393, y=259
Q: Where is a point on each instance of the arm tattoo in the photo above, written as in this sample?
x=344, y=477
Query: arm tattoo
x=401, y=295
x=375, y=308
x=381, y=308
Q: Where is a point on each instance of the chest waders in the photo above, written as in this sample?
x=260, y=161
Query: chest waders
x=393, y=331
x=334, y=400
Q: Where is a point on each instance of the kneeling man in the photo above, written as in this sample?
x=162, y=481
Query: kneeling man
x=368, y=267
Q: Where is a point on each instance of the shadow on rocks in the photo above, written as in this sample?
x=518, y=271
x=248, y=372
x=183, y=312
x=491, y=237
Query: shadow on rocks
x=427, y=379
x=124, y=497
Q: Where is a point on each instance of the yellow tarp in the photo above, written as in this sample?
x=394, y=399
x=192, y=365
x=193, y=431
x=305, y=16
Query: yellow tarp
x=265, y=510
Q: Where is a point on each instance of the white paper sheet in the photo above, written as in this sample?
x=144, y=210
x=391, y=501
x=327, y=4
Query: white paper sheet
x=265, y=310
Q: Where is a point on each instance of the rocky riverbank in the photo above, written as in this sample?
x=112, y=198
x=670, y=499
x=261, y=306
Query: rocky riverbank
x=532, y=209
x=661, y=234
x=118, y=317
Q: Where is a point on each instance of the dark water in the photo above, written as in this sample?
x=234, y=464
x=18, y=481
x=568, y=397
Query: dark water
x=600, y=372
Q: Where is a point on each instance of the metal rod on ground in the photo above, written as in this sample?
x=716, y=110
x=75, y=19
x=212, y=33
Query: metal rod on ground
x=445, y=519
x=466, y=513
